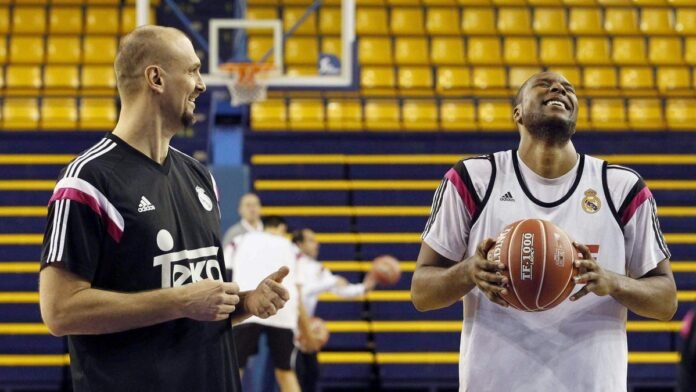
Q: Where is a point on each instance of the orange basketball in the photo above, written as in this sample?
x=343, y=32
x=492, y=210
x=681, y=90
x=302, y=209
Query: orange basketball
x=539, y=259
x=319, y=330
x=386, y=270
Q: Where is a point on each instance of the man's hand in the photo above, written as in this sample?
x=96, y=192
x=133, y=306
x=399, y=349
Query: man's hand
x=269, y=296
x=486, y=275
x=597, y=280
x=209, y=300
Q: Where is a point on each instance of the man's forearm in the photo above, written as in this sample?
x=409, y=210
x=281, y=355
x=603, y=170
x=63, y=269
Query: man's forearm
x=437, y=287
x=653, y=296
x=241, y=311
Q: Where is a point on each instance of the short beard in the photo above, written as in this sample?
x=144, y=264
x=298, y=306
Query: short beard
x=550, y=130
x=188, y=119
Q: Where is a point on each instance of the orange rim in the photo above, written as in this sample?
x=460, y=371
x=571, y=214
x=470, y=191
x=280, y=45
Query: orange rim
x=247, y=71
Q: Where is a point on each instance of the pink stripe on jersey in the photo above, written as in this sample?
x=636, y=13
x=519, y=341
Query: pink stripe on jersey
x=112, y=228
x=638, y=199
x=461, y=188
x=687, y=324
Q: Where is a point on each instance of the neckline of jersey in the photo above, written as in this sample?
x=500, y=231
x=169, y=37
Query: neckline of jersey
x=164, y=168
x=520, y=179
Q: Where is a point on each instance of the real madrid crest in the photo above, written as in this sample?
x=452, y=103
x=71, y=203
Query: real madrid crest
x=591, y=203
x=204, y=199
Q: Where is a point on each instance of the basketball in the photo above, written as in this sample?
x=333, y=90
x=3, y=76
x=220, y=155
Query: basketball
x=386, y=270
x=319, y=330
x=539, y=264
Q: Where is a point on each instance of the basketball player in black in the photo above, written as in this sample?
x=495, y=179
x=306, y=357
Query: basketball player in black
x=132, y=268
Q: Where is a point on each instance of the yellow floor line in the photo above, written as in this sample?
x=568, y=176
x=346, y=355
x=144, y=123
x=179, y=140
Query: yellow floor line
x=27, y=185
x=390, y=185
x=35, y=360
x=35, y=159
x=446, y=159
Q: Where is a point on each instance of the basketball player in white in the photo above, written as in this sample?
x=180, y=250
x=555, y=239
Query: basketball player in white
x=580, y=345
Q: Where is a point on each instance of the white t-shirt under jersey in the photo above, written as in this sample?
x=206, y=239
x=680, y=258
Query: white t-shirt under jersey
x=258, y=254
x=576, y=346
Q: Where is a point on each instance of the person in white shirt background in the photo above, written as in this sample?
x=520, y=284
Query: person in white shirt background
x=250, y=218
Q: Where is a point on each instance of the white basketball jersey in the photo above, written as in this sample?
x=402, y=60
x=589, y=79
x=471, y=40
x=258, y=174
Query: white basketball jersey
x=576, y=346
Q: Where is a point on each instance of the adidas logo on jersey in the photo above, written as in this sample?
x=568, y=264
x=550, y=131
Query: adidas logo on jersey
x=507, y=197
x=145, y=205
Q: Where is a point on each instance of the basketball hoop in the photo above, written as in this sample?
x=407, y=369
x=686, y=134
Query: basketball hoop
x=248, y=81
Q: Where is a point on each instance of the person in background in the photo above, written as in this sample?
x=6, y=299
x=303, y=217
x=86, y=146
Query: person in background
x=250, y=213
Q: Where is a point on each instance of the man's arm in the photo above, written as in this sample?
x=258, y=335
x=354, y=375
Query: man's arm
x=654, y=295
x=70, y=306
x=439, y=282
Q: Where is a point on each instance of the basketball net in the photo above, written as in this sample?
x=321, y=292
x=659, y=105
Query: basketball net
x=248, y=81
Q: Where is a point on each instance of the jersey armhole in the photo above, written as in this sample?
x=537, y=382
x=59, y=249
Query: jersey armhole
x=607, y=193
x=489, y=189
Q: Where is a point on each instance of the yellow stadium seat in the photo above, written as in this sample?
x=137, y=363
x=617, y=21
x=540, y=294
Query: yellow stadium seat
x=411, y=51
x=600, y=78
x=128, y=21
x=344, y=115
x=306, y=114
x=20, y=114
x=257, y=46
x=621, y=20
x=615, y=2
x=301, y=50
x=457, y=115
x=97, y=113
x=550, y=21
x=263, y=12
x=375, y=50
x=332, y=45
x=443, y=21
x=642, y=3
x=690, y=50
x=98, y=80
x=98, y=50
x=382, y=115
x=520, y=51
x=3, y=49
x=60, y=79
x=489, y=78
x=665, y=51
x=572, y=74
x=586, y=21
x=371, y=20
x=23, y=79
x=453, y=80
x=592, y=51
x=102, y=20
x=478, y=21
x=629, y=51
x=656, y=21
x=518, y=75
x=673, y=78
x=330, y=20
x=378, y=80
x=636, y=78
x=292, y=14
x=686, y=21
x=65, y=20
x=301, y=70
x=678, y=3
x=556, y=51
x=29, y=20
x=484, y=50
x=514, y=21
x=645, y=114
x=583, y=121
x=26, y=50
x=680, y=113
x=495, y=115
x=608, y=114
x=4, y=19
x=63, y=50
x=545, y=2
x=419, y=115
x=415, y=80
x=271, y=114
x=407, y=21
x=447, y=51
x=58, y=114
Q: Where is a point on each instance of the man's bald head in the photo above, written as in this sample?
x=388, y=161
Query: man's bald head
x=144, y=46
